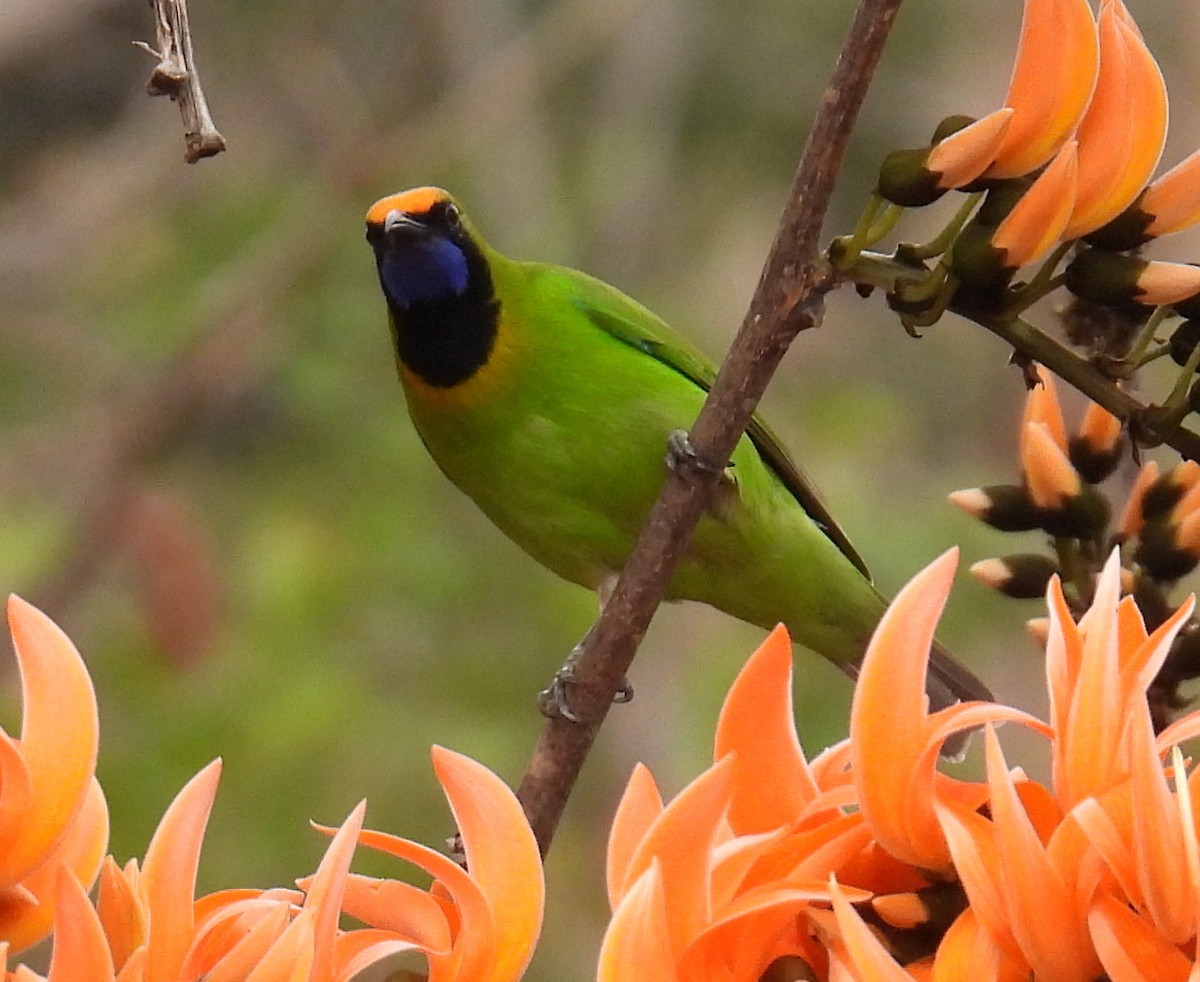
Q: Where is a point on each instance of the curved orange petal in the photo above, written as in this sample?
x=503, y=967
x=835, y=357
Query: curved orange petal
x=732, y=862
x=228, y=950
x=80, y=947
x=871, y=960
x=1107, y=823
x=328, y=885
x=1131, y=520
x=972, y=842
x=134, y=970
x=474, y=941
x=1038, y=220
x=681, y=842
x=1123, y=132
x=1049, y=474
x=1139, y=670
x=639, y=807
x=1095, y=721
x=745, y=937
x=23, y=922
x=889, y=726
x=502, y=856
x=118, y=902
x=965, y=154
x=967, y=951
x=1130, y=948
x=290, y=958
x=60, y=733
x=357, y=950
x=169, y=874
x=637, y=944
x=772, y=784
x=1166, y=283
x=1157, y=840
x=1174, y=198
x=1039, y=905
x=812, y=854
x=1053, y=77
x=400, y=909
x=1042, y=406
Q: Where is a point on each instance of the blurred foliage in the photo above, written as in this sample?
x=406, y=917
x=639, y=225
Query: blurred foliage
x=208, y=477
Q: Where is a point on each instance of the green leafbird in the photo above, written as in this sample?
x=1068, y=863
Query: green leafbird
x=548, y=397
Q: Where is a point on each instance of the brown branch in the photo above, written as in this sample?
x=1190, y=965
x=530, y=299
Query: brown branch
x=1149, y=424
x=175, y=75
x=789, y=298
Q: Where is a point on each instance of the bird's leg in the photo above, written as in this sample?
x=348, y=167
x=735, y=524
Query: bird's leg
x=552, y=700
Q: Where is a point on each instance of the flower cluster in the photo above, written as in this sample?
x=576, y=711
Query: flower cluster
x=146, y=924
x=868, y=863
x=1064, y=166
x=865, y=863
x=1156, y=528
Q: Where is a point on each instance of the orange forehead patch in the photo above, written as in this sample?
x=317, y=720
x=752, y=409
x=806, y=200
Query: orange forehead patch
x=416, y=201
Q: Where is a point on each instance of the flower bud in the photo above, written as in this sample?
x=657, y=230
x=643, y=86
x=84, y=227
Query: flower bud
x=1096, y=450
x=1024, y=576
x=1104, y=277
x=1006, y=507
x=1183, y=341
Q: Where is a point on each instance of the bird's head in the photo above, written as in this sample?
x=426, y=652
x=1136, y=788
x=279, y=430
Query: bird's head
x=424, y=249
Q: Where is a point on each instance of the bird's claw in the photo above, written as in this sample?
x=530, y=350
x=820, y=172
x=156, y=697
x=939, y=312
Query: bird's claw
x=682, y=456
x=553, y=701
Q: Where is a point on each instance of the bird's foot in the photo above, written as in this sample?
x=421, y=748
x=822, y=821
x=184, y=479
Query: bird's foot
x=682, y=456
x=554, y=700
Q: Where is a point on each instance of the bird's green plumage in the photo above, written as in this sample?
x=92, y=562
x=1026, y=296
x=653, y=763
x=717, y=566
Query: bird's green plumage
x=560, y=437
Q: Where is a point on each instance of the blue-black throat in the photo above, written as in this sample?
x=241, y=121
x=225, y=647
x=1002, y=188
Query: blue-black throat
x=443, y=310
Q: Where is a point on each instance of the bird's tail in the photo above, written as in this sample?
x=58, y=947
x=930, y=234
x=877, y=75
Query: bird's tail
x=949, y=681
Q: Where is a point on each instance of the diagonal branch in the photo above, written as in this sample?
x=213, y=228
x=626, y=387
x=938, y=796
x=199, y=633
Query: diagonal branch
x=789, y=298
x=175, y=75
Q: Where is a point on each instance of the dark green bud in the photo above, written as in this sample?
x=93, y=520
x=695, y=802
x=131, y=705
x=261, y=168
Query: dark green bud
x=1000, y=200
x=978, y=265
x=1161, y=497
x=1104, y=277
x=1126, y=231
x=904, y=180
x=951, y=125
x=1024, y=576
x=1086, y=516
x=1094, y=465
x=1006, y=507
x=1189, y=308
x=1159, y=555
x=1184, y=340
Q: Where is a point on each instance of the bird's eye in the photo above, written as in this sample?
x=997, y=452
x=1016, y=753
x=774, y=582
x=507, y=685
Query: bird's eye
x=451, y=216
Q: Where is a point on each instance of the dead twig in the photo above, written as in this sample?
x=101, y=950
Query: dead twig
x=175, y=75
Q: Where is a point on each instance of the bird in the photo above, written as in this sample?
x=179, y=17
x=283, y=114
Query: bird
x=550, y=397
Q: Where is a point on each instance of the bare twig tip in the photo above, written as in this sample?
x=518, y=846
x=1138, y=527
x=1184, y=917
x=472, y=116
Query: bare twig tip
x=175, y=76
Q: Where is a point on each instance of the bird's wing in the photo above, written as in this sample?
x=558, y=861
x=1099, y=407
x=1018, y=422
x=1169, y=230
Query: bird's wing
x=628, y=321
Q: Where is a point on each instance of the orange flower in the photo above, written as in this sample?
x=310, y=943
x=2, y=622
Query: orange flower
x=1053, y=77
x=52, y=812
x=1038, y=220
x=894, y=743
x=147, y=927
x=1173, y=201
x=961, y=157
x=479, y=926
x=767, y=858
x=1122, y=134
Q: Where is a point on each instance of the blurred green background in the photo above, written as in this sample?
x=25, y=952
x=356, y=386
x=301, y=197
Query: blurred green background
x=207, y=474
